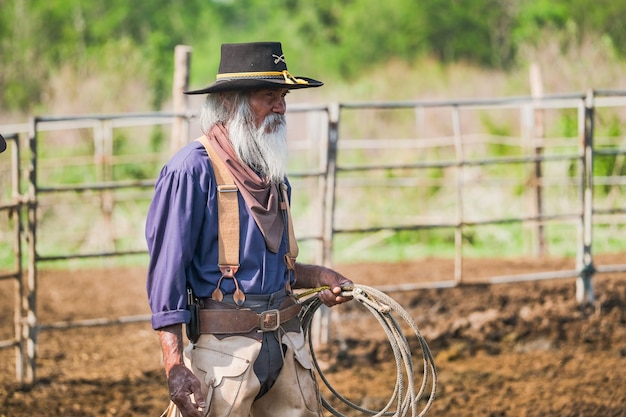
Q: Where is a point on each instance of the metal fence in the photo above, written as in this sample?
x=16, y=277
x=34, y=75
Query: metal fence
x=369, y=171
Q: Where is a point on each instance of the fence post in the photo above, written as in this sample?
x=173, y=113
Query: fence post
x=180, y=126
x=29, y=295
x=584, y=287
x=16, y=213
x=322, y=186
x=320, y=327
x=460, y=159
x=330, y=181
x=103, y=159
x=536, y=86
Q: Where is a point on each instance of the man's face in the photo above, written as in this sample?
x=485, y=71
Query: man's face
x=258, y=132
x=266, y=102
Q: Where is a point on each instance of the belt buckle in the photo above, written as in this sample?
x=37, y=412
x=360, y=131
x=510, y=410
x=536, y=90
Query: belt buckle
x=269, y=320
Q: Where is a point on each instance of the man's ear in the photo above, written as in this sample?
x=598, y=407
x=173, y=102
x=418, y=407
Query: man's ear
x=226, y=100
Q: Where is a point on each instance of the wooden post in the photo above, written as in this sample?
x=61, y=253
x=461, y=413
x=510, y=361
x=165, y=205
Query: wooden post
x=29, y=295
x=322, y=185
x=103, y=159
x=584, y=288
x=330, y=183
x=180, y=126
x=460, y=159
x=320, y=326
x=536, y=88
x=20, y=347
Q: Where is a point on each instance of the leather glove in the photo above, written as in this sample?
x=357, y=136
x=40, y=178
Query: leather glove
x=183, y=384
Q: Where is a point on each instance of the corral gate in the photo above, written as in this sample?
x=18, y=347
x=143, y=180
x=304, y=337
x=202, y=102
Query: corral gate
x=331, y=159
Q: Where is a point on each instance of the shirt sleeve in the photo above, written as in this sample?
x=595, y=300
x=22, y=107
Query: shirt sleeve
x=173, y=225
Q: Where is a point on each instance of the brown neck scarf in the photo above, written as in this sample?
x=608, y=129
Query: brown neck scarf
x=261, y=196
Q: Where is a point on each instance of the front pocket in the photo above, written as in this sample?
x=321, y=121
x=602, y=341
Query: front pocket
x=217, y=365
x=225, y=367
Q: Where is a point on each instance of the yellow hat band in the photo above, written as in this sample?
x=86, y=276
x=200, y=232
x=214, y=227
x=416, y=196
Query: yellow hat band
x=289, y=79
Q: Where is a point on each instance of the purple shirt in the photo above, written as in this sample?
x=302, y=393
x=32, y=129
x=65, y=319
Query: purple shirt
x=181, y=232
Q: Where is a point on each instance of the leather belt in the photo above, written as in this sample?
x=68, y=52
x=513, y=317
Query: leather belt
x=225, y=320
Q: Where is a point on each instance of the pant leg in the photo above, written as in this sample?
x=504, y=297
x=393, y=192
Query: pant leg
x=295, y=393
x=225, y=369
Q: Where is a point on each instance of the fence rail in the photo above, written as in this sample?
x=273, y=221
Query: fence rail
x=324, y=150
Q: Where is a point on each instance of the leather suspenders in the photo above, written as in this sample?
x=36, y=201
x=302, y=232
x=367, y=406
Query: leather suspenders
x=292, y=244
x=228, y=226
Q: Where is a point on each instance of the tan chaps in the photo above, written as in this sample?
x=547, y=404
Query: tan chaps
x=225, y=369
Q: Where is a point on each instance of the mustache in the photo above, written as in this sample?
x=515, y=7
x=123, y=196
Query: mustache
x=272, y=122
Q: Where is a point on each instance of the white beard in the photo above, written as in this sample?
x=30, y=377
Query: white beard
x=264, y=149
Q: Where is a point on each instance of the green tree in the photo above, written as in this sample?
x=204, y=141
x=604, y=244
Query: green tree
x=476, y=31
x=347, y=38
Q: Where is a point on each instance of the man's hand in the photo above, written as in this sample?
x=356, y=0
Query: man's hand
x=333, y=296
x=311, y=276
x=184, y=385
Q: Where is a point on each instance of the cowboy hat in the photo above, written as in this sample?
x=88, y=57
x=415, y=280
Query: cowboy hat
x=255, y=65
x=3, y=144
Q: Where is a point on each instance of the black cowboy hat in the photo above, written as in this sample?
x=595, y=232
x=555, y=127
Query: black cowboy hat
x=256, y=65
x=3, y=144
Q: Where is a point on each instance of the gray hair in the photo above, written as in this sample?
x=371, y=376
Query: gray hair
x=215, y=109
x=264, y=147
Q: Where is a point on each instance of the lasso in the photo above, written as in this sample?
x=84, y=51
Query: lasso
x=382, y=307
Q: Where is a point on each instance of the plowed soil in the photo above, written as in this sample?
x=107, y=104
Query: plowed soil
x=518, y=349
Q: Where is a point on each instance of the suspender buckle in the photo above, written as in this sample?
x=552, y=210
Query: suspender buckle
x=227, y=188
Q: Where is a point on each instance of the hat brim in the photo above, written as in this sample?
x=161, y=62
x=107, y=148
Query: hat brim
x=3, y=144
x=254, y=84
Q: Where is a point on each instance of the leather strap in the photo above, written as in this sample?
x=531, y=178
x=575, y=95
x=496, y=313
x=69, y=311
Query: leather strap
x=292, y=243
x=219, y=320
x=228, y=227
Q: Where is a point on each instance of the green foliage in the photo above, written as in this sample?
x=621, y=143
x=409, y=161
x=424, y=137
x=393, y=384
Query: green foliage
x=502, y=129
x=494, y=128
x=437, y=174
x=568, y=123
x=607, y=166
x=608, y=130
x=339, y=39
x=41, y=35
x=614, y=126
x=536, y=15
x=474, y=30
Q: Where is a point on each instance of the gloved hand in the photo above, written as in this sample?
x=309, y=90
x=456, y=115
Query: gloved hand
x=183, y=384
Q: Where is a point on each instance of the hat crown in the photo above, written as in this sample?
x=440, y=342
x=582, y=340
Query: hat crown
x=254, y=65
x=252, y=57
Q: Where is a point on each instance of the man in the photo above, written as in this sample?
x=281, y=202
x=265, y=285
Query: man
x=234, y=370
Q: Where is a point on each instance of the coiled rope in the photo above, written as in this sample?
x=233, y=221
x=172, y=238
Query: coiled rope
x=383, y=308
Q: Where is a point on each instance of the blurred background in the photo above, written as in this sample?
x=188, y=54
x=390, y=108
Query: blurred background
x=76, y=56
x=72, y=57
x=414, y=178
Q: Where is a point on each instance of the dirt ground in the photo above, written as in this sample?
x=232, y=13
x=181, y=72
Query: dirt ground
x=523, y=349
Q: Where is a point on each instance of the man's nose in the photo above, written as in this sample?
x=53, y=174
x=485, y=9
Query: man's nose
x=280, y=106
